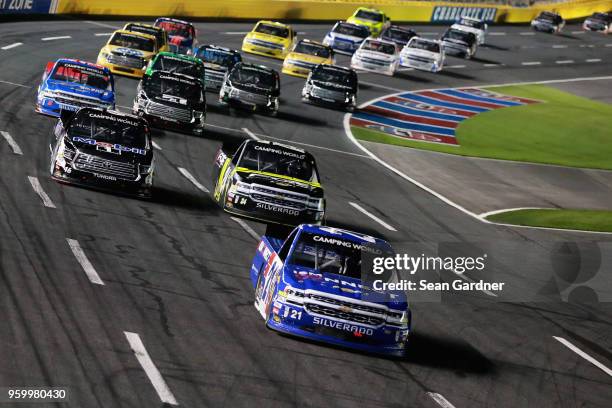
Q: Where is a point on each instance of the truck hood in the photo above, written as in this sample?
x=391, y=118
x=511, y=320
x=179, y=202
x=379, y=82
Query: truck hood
x=421, y=53
x=311, y=59
x=129, y=52
x=269, y=38
x=80, y=90
x=375, y=55
x=281, y=182
x=308, y=279
x=346, y=37
x=215, y=67
x=475, y=31
x=116, y=152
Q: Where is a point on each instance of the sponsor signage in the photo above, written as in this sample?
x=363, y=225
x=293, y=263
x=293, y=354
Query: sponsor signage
x=28, y=6
x=444, y=14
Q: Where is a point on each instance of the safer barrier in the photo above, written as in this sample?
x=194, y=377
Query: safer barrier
x=398, y=10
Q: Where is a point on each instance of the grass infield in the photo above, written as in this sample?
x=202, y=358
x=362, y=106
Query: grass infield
x=586, y=220
x=565, y=130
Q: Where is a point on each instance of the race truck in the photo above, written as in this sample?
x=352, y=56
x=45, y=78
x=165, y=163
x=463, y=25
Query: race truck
x=270, y=182
x=182, y=34
x=333, y=86
x=399, y=35
x=423, y=54
x=375, y=20
x=103, y=149
x=177, y=64
x=459, y=43
x=600, y=22
x=472, y=25
x=161, y=36
x=69, y=84
x=217, y=62
x=252, y=87
x=311, y=286
x=345, y=38
x=128, y=53
x=374, y=55
x=270, y=39
x=548, y=22
x=172, y=101
x=305, y=56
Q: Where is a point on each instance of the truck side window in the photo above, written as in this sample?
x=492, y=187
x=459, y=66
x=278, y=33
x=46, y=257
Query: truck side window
x=284, y=251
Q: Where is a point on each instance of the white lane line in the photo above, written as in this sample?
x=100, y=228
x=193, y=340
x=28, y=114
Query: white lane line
x=372, y=216
x=455, y=66
x=102, y=34
x=584, y=355
x=247, y=228
x=13, y=45
x=468, y=279
x=9, y=139
x=193, y=180
x=531, y=63
x=527, y=33
x=374, y=85
x=101, y=24
x=578, y=32
x=430, y=33
x=440, y=400
x=493, y=65
x=15, y=84
x=61, y=37
x=594, y=60
x=251, y=134
x=609, y=45
x=497, y=33
x=235, y=32
x=564, y=62
x=41, y=193
x=503, y=210
x=559, y=46
x=156, y=146
x=162, y=389
x=81, y=258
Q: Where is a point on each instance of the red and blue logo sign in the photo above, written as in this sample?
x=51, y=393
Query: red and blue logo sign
x=430, y=116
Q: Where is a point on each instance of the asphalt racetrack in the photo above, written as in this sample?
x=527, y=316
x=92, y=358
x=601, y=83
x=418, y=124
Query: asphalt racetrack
x=175, y=270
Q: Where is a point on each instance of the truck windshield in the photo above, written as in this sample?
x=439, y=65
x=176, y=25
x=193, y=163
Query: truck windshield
x=328, y=254
x=317, y=50
x=178, y=65
x=163, y=86
x=253, y=76
x=369, y=15
x=334, y=75
x=274, y=30
x=220, y=57
x=109, y=128
x=351, y=29
x=82, y=75
x=279, y=160
x=133, y=41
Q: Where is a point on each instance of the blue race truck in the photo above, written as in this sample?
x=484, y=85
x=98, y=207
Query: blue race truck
x=310, y=286
x=69, y=84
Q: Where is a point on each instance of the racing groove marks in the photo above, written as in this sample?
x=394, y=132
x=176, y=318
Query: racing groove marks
x=430, y=115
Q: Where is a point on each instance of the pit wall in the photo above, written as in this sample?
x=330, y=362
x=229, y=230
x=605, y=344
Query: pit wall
x=307, y=10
